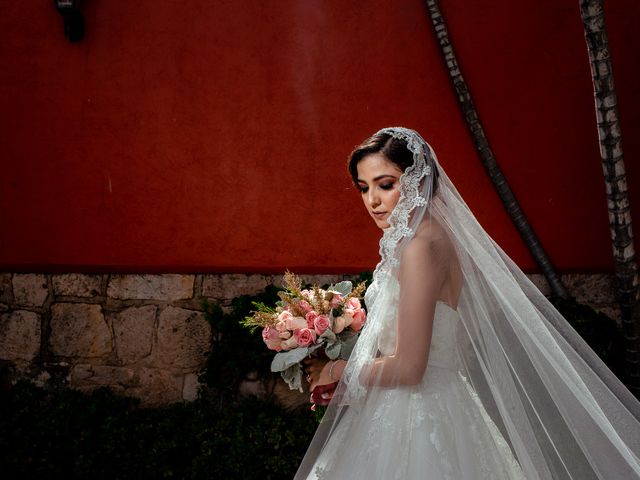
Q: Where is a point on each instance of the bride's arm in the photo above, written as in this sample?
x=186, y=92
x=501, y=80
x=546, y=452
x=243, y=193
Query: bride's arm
x=423, y=271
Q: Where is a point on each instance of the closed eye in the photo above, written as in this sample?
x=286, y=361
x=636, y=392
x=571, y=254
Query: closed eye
x=384, y=186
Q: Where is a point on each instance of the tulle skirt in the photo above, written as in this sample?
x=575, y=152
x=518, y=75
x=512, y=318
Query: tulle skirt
x=436, y=430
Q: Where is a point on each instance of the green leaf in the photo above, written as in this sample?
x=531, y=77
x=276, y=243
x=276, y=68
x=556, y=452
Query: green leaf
x=329, y=335
x=283, y=360
x=348, y=342
x=344, y=288
x=333, y=349
x=293, y=376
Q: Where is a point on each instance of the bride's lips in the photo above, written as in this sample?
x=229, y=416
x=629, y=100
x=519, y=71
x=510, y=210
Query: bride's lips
x=378, y=214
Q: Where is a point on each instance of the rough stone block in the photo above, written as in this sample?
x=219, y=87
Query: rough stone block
x=109, y=375
x=79, y=330
x=30, y=289
x=19, y=335
x=541, y=282
x=81, y=371
x=157, y=387
x=190, y=387
x=133, y=329
x=590, y=289
x=169, y=287
x=233, y=285
x=106, y=375
x=289, y=398
x=184, y=337
x=252, y=388
x=76, y=284
x=6, y=292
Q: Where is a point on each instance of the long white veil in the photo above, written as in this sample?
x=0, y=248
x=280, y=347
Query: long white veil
x=562, y=412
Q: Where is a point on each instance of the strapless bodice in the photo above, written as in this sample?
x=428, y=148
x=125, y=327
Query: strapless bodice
x=442, y=352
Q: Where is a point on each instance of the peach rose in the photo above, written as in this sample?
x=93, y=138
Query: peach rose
x=289, y=343
x=286, y=334
x=348, y=316
x=295, y=322
x=284, y=316
x=339, y=324
x=321, y=323
x=281, y=326
x=304, y=336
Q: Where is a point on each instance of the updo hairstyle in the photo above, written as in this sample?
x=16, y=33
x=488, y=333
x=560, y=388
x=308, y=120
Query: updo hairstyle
x=394, y=149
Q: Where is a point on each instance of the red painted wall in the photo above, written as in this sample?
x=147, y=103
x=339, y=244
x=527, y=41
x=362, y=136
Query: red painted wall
x=212, y=136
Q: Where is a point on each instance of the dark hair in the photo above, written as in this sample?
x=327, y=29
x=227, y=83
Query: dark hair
x=394, y=149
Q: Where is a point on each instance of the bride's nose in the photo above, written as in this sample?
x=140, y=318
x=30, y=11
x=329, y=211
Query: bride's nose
x=373, y=198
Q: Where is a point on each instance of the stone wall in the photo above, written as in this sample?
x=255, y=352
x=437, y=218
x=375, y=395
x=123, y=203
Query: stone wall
x=145, y=335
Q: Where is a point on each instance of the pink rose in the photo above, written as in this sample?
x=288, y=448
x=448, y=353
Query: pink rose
x=336, y=300
x=295, y=322
x=269, y=332
x=359, y=317
x=271, y=337
x=289, y=343
x=305, y=305
x=321, y=323
x=311, y=316
x=353, y=303
x=281, y=326
x=304, y=336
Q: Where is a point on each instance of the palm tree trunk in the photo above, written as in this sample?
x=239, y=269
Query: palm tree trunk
x=488, y=159
x=626, y=269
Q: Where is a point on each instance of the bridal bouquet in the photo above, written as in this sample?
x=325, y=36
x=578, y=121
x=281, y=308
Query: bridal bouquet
x=305, y=320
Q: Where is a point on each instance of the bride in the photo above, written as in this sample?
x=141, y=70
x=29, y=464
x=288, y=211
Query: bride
x=464, y=370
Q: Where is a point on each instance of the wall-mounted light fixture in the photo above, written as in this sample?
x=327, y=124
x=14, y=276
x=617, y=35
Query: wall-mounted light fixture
x=73, y=19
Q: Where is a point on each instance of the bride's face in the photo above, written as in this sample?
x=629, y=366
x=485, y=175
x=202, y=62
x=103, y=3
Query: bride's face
x=378, y=181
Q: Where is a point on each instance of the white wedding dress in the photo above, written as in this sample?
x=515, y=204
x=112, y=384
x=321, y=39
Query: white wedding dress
x=435, y=430
x=510, y=390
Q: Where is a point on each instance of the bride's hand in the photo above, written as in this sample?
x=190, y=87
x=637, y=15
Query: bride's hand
x=313, y=368
x=318, y=372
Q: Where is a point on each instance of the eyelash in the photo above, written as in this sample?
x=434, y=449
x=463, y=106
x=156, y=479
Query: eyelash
x=384, y=186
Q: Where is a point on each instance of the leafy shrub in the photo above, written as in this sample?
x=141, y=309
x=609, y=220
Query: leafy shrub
x=67, y=434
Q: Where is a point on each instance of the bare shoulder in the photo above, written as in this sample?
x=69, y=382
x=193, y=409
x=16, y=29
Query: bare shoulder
x=430, y=243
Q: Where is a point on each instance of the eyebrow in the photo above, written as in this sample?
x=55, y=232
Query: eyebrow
x=379, y=177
